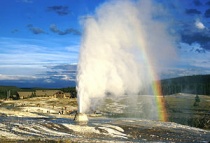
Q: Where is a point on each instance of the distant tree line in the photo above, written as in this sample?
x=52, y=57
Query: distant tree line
x=12, y=90
x=198, y=84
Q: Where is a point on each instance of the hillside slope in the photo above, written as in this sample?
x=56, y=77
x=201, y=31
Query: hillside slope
x=196, y=84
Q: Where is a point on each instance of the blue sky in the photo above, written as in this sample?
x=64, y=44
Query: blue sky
x=40, y=39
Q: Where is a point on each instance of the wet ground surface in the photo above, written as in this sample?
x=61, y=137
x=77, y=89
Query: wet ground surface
x=100, y=129
x=119, y=120
x=145, y=130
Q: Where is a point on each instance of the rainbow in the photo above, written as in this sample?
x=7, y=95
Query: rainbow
x=157, y=90
x=156, y=85
x=159, y=98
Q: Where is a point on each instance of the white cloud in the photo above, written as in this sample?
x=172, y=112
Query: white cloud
x=199, y=24
x=16, y=77
x=48, y=81
x=66, y=77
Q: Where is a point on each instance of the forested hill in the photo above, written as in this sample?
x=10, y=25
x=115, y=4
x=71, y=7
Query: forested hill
x=196, y=84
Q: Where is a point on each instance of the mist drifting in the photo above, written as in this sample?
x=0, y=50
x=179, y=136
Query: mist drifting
x=122, y=41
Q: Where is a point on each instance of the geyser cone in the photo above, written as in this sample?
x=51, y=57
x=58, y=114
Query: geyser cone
x=81, y=118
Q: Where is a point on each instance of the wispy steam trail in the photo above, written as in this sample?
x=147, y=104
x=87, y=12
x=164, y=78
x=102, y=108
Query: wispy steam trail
x=120, y=44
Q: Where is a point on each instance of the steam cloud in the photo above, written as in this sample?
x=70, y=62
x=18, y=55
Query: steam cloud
x=122, y=42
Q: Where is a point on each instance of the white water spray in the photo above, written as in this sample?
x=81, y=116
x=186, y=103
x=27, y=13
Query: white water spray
x=119, y=43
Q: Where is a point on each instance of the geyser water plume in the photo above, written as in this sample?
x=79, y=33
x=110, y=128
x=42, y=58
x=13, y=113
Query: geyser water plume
x=123, y=44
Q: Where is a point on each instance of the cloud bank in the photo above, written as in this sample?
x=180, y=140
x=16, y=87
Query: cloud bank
x=29, y=62
x=199, y=24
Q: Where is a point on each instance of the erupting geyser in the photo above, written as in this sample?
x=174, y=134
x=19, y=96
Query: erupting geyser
x=123, y=45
